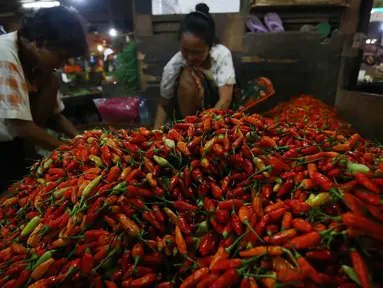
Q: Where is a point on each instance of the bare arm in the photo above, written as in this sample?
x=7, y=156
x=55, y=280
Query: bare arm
x=225, y=97
x=37, y=135
x=161, y=113
x=66, y=126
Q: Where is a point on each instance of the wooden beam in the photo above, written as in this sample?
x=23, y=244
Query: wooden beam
x=265, y=3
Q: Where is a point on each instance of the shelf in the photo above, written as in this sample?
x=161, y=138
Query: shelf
x=272, y=3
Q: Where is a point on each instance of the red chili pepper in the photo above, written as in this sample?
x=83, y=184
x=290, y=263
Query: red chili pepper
x=180, y=241
x=230, y=204
x=286, y=187
x=261, y=225
x=312, y=169
x=105, y=155
x=323, y=181
x=248, y=166
x=310, y=150
x=236, y=224
x=195, y=278
x=277, y=164
x=113, y=174
x=217, y=227
x=184, y=206
x=283, y=237
x=197, y=175
x=57, y=171
x=229, y=278
x=292, y=153
x=149, y=216
x=297, y=206
x=216, y=191
x=306, y=267
x=277, y=214
x=184, y=225
x=87, y=263
x=367, y=183
x=375, y=211
x=286, y=221
x=304, y=241
x=223, y=216
x=354, y=204
x=370, y=227
x=206, y=244
x=145, y=281
x=195, y=142
x=361, y=268
x=207, y=281
x=209, y=205
x=302, y=225
x=368, y=197
x=236, y=193
x=183, y=148
x=322, y=255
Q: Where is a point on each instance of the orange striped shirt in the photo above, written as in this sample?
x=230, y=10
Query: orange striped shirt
x=14, y=88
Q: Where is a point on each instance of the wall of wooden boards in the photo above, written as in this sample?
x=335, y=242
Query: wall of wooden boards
x=295, y=62
x=364, y=111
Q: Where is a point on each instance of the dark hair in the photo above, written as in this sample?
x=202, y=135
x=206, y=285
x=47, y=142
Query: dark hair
x=57, y=28
x=201, y=24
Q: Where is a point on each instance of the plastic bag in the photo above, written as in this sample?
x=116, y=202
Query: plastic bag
x=118, y=109
x=253, y=93
x=165, y=7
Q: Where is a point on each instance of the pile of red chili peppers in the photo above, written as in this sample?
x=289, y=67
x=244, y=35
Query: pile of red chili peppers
x=221, y=199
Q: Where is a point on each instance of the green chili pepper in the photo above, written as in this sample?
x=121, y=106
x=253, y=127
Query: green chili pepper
x=278, y=180
x=354, y=167
x=164, y=183
x=120, y=186
x=96, y=160
x=161, y=161
x=351, y=274
x=46, y=256
x=209, y=145
x=48, y=163
x=91, y=186
x=202, y=228
x=109, y=261
x=320, y=199
x=40, y=171
x=31, y=226
x=170, y=143
x=60, y=193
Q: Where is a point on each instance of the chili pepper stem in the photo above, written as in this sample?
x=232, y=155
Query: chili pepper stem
x=228, y=249
x=247, y=223
x=267, y=168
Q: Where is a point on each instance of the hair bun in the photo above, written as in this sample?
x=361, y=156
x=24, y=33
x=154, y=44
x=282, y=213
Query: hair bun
x=202, y=7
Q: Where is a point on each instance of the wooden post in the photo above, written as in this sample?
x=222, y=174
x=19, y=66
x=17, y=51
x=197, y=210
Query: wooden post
x=143, y=25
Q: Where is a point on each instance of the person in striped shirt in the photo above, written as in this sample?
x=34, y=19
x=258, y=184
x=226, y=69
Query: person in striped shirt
x=29, y=98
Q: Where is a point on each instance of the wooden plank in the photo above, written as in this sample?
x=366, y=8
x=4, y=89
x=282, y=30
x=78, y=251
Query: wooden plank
x=173, y=27
x=363, y=111
x=232, y=35
x=270, y=3
x=143, y=25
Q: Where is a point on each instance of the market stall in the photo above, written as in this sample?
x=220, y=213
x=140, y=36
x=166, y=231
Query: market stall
x=289, y=196
x=220, y=199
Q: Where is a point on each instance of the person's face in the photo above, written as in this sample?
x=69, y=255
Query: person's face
x=193, y=49
x=49, y=60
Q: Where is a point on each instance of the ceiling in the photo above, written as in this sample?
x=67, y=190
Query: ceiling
x=101, y=14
